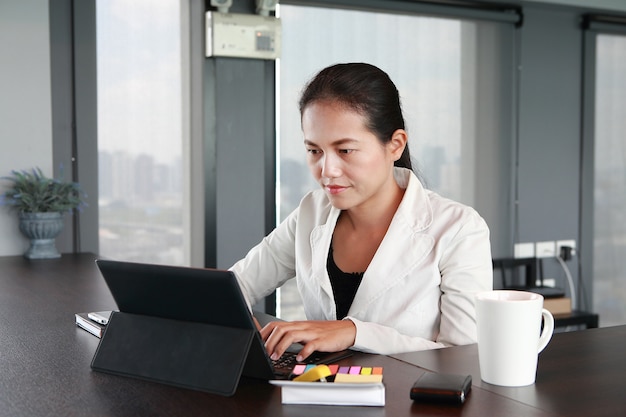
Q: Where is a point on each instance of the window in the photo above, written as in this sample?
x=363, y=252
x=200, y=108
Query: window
x=452, y=77
x=142, y=201
x=609, y=264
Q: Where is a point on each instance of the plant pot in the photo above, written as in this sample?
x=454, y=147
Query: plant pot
x=42, y=229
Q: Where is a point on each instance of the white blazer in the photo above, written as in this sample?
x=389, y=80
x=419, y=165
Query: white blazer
x=418, y=291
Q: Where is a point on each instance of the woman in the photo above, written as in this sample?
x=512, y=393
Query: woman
x=382, y=264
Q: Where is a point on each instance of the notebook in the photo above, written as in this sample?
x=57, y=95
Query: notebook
x=199, y=295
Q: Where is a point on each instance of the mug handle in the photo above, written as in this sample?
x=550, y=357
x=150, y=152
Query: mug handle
x=548, y=329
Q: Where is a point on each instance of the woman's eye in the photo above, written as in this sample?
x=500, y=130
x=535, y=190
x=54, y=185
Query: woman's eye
x=346, y=151
x=313, y=151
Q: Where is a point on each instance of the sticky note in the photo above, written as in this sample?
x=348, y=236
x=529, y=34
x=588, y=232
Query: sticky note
x=333, y=368
x=343, y=370
x=316, y=373
x=357, y=379
x=355, y=370
x=366, y=370
x=299, y=369
x=377, y=370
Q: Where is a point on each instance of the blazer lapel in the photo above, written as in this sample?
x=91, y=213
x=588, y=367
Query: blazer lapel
x=396, y=257
x=403, y=248
x=321, y=237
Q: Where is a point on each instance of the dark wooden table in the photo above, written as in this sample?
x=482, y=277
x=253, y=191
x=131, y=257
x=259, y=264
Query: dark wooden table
x=578, y=374
x=45, y=363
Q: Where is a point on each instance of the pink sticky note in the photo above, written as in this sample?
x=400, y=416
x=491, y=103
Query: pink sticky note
x=299, y=369
x=355, y=370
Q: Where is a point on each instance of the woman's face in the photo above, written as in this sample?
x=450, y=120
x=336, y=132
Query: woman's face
x=347, y=160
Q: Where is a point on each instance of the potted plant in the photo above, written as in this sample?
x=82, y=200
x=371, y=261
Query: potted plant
x=41, y=202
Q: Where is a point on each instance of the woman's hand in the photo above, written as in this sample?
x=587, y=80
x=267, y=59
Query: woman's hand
x=323, y=336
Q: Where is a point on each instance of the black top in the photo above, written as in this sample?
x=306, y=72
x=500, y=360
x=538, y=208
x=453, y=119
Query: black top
x=344, y=284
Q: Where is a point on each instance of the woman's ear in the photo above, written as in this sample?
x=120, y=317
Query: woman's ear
x=397, y=143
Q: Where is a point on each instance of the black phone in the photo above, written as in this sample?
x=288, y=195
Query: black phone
x=448, y=388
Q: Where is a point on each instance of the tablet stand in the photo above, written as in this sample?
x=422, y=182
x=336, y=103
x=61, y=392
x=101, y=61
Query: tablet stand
x=193, y=355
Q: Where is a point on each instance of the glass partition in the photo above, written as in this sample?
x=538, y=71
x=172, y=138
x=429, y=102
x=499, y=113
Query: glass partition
x=609, y=246
x=140, y=139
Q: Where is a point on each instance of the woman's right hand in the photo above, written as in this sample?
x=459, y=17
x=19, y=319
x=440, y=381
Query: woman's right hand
x=315, y=335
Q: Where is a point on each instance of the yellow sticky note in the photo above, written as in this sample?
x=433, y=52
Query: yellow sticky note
x=314, y=374
x=357, y=379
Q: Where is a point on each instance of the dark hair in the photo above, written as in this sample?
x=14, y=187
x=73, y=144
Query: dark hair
x=365, y=89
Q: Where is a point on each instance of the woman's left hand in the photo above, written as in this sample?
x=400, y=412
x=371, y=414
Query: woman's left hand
x=322, y=335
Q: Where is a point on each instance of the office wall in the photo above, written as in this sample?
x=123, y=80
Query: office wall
x=239, y=136
x=74, y=115
x=241, y=165
x=25, y=101
x=550, y=92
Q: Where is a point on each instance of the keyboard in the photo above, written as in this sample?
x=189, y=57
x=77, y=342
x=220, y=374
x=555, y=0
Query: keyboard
x=285, y=364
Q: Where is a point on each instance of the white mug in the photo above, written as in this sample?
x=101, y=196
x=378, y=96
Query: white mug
x=510, y=336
